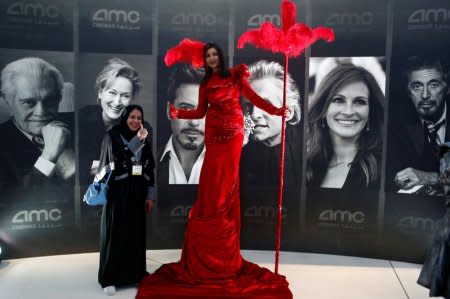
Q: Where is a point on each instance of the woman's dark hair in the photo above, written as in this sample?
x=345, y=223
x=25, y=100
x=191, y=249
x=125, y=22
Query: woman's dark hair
x=319, y=147
x=126, y=113
x=223, y=72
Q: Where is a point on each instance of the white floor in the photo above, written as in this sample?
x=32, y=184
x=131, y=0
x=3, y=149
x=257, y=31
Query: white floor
x=311, y=276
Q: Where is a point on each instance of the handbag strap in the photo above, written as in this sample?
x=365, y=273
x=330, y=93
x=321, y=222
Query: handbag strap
x=111, y=161
x=109, y=175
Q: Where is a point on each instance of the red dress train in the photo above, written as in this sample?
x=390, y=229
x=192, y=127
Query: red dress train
x=211, y=265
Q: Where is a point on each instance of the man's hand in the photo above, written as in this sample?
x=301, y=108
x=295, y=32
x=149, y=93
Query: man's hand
x=410, y=177
x=249, y=126
x=55, y=135
x=142, y=133
x=149, y=204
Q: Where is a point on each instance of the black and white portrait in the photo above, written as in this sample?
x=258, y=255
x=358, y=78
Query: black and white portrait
x=38, y=158
x=260, y=156
x=419, y=116
x=181, y=157
x=107, y=85
x=345, y=124
x=116, y=85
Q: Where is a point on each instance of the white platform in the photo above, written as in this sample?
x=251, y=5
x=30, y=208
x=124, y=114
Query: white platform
x=311, y=276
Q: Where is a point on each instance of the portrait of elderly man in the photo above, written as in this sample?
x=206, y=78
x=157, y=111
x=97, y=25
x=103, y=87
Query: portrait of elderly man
x=181, y=159
x=37, y=157
x=415, y=137
x=260, y=156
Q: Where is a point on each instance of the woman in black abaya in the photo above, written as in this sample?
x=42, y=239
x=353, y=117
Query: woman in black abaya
x=127, y=153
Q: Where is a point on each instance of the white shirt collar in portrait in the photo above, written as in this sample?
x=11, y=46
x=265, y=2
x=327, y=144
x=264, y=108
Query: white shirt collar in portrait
x=176, y=172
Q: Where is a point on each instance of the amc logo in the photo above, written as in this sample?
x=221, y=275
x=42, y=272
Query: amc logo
x=418, y=223
x=364, y=18
x=341, y=216
x=437, y=15
x=258, y=20
x=31, y=216
x=180, y=211
x=116, y=16
x=32, y=10
x=208, y=19
x=264, y=211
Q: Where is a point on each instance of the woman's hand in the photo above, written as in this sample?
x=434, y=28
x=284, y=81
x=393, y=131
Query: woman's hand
x=173, y=111
x=149, y=204
x=142, y=133
x=282, y=111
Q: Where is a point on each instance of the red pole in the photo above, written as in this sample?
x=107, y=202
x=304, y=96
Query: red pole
x=281, y=169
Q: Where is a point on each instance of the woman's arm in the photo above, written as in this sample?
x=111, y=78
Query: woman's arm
x=259, y=102
x=150, y=177
x=194, y=113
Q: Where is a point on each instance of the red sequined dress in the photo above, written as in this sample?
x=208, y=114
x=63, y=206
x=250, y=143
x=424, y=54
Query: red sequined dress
x=211, y=265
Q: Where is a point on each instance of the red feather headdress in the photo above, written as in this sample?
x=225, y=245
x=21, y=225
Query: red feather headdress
x=187, y=51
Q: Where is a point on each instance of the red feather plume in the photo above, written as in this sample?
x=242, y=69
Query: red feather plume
x=292, y=40
x=187, y=51
x=288, y=15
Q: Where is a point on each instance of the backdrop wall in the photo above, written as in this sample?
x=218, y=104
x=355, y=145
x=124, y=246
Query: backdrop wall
x=367, y=212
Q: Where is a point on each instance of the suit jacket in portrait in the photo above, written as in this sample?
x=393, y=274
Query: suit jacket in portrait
x=408, y=146
x=260, y=164
x=91, y=132
x=19, y=179
x=162, y=168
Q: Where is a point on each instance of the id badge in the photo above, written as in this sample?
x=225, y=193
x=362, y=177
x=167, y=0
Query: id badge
x=136, y=170
x=95, y=164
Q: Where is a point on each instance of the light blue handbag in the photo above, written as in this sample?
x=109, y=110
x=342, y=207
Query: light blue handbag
x=96, y=192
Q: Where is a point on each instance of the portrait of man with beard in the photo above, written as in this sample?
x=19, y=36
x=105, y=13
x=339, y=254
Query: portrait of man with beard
x=182, y=157
x=415, y=137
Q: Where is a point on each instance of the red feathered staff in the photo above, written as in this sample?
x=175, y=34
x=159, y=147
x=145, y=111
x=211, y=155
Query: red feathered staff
x=291, y=41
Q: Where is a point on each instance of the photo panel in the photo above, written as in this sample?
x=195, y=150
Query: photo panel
x=180, y=143
x=260, y=160
x=99, y=107
x=343, y=178
x=38, y=164
x=344, y=141
x=259, y=168
x=417, y=125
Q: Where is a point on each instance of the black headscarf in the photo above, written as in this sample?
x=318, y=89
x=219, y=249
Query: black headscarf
x=123, y=126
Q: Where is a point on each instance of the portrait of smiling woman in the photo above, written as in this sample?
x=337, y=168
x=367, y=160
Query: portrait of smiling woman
x=116, y=86
x=345, y=131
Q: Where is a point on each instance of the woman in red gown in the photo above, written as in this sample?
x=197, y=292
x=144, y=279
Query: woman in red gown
x=211, y=265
